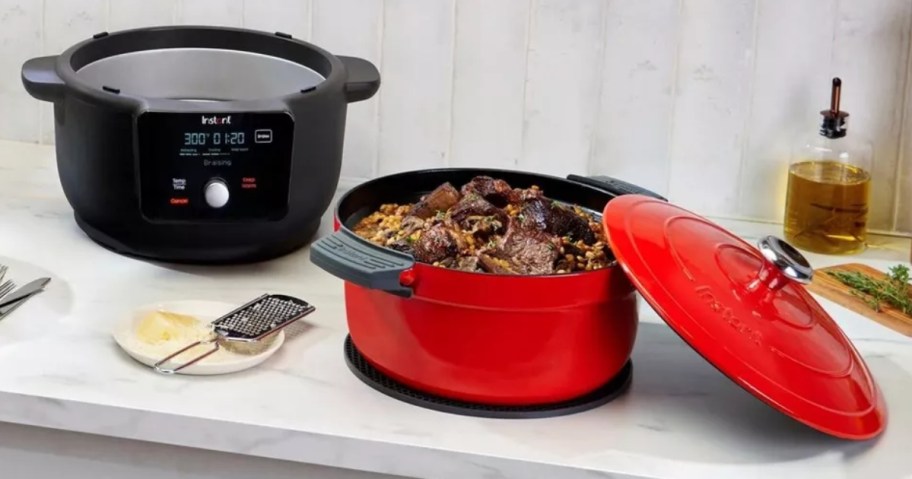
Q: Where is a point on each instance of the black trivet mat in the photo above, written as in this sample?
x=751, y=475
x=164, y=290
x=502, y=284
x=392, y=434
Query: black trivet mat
x=386, y=385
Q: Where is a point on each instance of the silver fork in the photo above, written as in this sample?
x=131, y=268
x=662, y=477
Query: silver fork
x=6, y=287
x=3, y=269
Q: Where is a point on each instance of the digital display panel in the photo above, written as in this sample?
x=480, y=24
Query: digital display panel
x=181, y=155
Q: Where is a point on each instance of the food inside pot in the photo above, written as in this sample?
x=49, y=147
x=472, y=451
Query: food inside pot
x=488, y=226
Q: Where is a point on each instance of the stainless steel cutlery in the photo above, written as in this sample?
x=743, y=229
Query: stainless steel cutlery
x=23, y=292
x=10, y=301
x=6, y=287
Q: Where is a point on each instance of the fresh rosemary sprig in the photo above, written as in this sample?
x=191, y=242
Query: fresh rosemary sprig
x=893, y=291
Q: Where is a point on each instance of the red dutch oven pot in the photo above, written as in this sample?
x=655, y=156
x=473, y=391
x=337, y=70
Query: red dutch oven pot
x=533, y=340
x=479, y=337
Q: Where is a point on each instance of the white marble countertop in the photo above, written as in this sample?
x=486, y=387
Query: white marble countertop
x=59, y=368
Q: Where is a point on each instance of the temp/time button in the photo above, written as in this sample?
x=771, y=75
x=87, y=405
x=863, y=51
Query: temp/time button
x=216, y=193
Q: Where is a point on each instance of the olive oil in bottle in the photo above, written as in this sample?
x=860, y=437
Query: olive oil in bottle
x=829, y=185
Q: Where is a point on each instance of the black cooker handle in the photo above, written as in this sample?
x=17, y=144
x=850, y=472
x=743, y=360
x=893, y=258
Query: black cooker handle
x=363, y=79
x=614, y=186
x=39, y=75
x=345, y=255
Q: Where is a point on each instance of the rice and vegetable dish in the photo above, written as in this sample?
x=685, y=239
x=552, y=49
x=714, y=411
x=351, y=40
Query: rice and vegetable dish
x=489, y=226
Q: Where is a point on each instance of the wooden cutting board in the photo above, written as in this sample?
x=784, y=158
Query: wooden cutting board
x=831, y=288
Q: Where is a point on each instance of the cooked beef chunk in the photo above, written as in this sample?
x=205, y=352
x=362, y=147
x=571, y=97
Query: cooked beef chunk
x=536, y=213
x=403, y=246
x=544, y=215
x=530, y=251
x=575, y=227
x=441, y=199
x=473, y=213
x=497, y=192
x=435, y=244
x=527, y=194
x=495, y=265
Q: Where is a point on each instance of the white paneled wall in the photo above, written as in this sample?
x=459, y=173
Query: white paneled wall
x=697, y=99
x=637, y=91
x=354, y=27
x=562, y=85
x=417, y=61
x=21, y=38
x=713, y=86
x=488, y=115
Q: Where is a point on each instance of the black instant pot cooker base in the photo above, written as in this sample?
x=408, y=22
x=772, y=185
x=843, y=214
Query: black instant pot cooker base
x=386, y=385
x=198, y=256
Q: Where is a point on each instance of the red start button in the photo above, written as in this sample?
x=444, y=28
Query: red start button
x=180, y=201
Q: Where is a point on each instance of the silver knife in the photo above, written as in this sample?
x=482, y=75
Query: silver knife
x=23, y=292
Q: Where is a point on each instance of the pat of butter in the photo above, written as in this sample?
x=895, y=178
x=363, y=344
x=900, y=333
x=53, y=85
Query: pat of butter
x=164, y=327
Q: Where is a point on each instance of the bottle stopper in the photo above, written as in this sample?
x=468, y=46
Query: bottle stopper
x=834, y=120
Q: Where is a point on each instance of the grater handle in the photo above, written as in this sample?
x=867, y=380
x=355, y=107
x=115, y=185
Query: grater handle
x=158, y=366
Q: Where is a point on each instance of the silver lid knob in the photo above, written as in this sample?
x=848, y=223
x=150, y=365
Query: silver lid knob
x=788, y=260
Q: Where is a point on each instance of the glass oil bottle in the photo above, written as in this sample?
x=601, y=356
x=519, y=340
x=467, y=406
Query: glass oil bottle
x=829, y=183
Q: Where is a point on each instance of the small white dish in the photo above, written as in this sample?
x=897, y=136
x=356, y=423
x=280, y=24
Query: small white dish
x=222, y=362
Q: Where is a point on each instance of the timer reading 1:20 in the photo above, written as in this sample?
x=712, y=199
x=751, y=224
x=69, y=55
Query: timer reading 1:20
x=216, y=138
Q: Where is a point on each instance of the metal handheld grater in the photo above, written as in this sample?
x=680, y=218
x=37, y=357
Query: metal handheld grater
x=252, y=322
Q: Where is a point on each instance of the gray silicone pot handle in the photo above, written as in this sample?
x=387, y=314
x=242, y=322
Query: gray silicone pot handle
x=358, y=261
x=39, y=75
x=614, y=186
x=363, y=79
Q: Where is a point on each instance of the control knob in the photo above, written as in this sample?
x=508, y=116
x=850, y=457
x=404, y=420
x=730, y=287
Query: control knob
x=216, y=193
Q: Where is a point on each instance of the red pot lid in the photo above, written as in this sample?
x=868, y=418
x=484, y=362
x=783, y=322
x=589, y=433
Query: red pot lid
x=745, y=310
